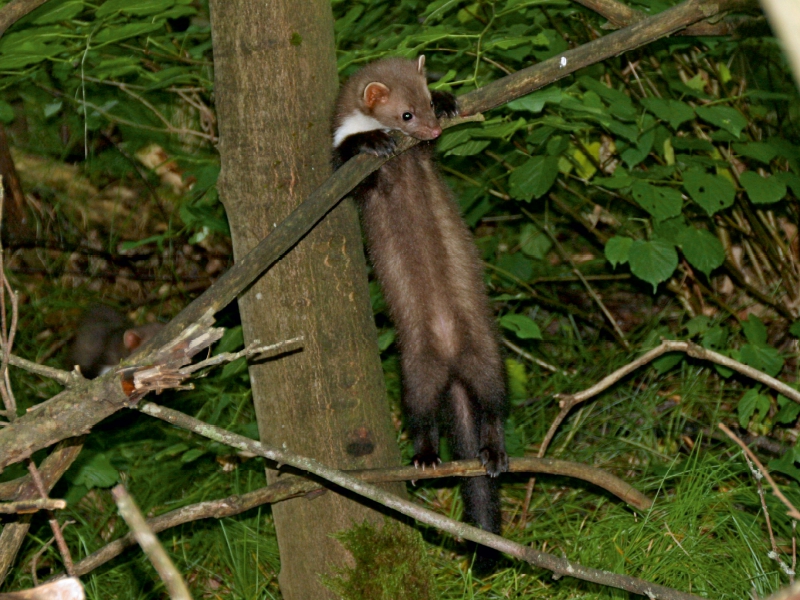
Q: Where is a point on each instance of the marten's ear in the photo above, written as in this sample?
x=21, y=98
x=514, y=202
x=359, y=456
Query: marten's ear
x=375, y=93
x=132, y=340
x=421, y=64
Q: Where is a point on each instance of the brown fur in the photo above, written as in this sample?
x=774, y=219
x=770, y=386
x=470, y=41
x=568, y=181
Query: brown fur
x=432, y=279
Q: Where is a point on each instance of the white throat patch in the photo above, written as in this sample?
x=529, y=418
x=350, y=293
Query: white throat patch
x=356, y=122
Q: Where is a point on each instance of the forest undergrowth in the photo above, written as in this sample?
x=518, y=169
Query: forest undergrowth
x=653, y=196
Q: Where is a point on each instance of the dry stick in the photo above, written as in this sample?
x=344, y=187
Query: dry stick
x=595, y=296
x=792, y=512
x=66, y=589
x=67, y=414
x=51, y=469
x=568, y=401
x=620, y=15
x=58, y=534
x=528, y=356
x=176, y=586
x=560, y=566
x=31, y=506
x=292, y=486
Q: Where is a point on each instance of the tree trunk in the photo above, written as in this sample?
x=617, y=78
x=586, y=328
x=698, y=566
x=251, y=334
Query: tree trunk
x=275, y=85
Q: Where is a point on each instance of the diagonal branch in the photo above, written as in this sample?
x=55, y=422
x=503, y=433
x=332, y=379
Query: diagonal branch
x=560, y=566
x=66, y=414
x=291, y=486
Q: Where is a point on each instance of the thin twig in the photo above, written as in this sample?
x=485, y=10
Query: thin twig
x=528, y=356
x=792, y=512
x=31, y=506
x=253, y=349
x=58, y=534
x=176, y=586
x=291, y=486
x=595, y=296
x=63, y=377
x=560, y=566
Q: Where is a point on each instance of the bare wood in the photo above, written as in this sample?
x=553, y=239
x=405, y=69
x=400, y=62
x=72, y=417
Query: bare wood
x=65, y=589
x=792, y=512
x=173, y=581
x=560, y=566
x=31, y=506
x=51, y=470
x=69, y=413
x=292, y=486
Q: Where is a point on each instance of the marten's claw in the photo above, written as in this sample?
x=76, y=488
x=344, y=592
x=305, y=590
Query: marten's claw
x=444, y=104
x=422, y=460
x=494, y=461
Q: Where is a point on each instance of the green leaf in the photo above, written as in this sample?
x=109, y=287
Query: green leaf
x=716, y=339
x=712, y=192
x=702, y=249
x=761, y=151
x=664, y=363
x=6, y=112
x=670, y=230
x=661, y=202
x=535, y=242
x=789, y=410
x=674, y=112
x=192, y=455
x=522, y=326
x=620, y=180
x=517, y=380
x=795, y=329
x=618, y=249
x=786, y=464
x=115, y=34
x=697, y=325
x=134, y=7
x=724, y=117
x=55, y=12
x=652, y=261
x=763, y=358
x=232, y=340
x=385, y=339
x=469, y=149
x=754, y=330
x=234, y=368
x=533, y=178
x=747, y=406
x=762, y=190
x=97, y=471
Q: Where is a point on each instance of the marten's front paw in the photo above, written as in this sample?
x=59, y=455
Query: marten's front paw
x=495, y=461
x=426, y=459
x=377, y=142
x=444, y=104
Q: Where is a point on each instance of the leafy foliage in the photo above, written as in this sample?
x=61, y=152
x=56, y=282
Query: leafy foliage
x=668, y=178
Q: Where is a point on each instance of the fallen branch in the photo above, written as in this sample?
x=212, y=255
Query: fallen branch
x=31, y=506
x=560, y=566
x=173, y=581
x=77, y=410
x=293, y=486
x=792, y=512
x=568, y=401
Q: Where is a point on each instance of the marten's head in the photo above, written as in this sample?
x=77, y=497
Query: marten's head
x=391, y=95
x=399, y=98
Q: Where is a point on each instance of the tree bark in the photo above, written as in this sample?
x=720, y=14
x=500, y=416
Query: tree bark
x=275, y=85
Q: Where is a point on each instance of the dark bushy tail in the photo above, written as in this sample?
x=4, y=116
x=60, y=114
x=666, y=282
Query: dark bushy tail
x=481, y=496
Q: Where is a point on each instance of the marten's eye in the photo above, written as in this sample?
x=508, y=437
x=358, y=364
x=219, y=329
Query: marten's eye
x=431, y=103
x=407, y=116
